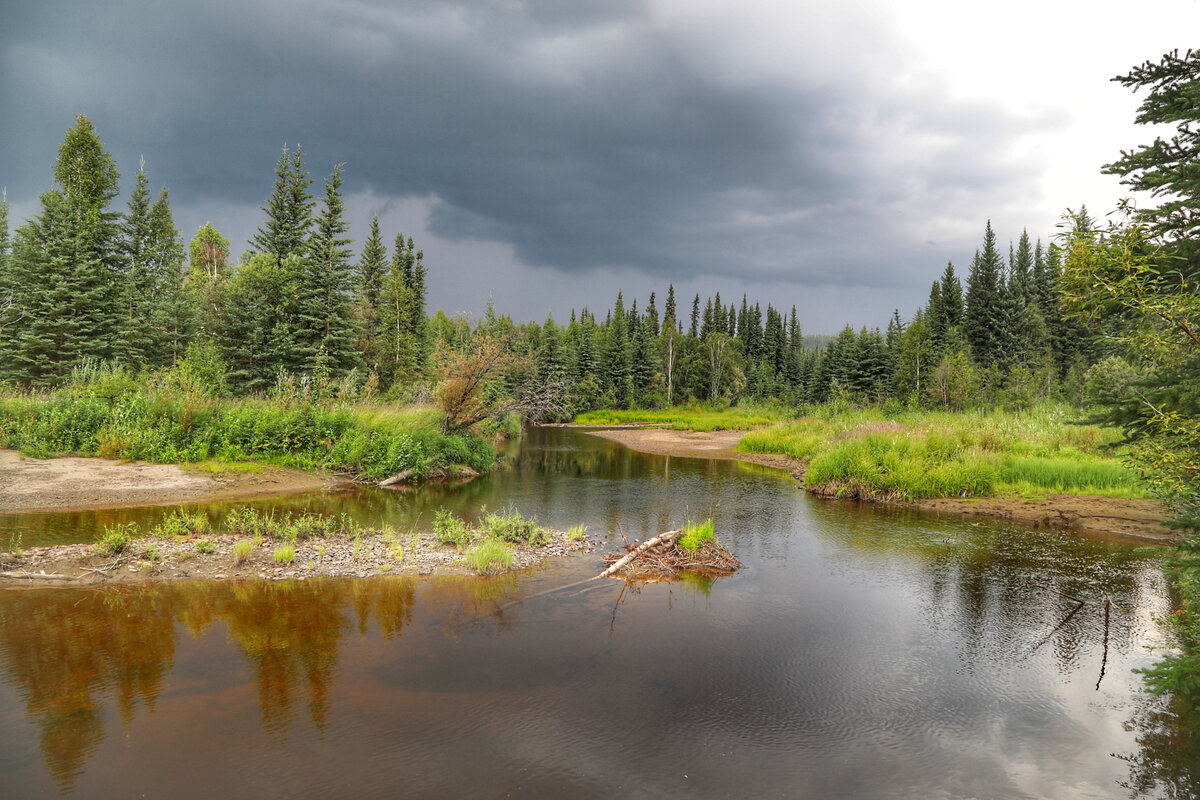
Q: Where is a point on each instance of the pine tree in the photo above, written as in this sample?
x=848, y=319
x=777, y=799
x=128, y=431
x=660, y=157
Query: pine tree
x=324, y=334
x=695, y=315
x=288, y=209
x=669, y=310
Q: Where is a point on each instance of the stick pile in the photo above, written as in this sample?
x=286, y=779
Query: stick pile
x=662, y=557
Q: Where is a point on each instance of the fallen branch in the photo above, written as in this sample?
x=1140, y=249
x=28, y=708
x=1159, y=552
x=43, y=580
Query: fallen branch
x=38, y=575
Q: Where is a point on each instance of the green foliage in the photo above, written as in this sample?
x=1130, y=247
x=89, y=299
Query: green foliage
x=242, y=551
x=206, y=546
x=449, y=529
x=180, y=524
x=489, y=557
x=510, y=526
x=1179, y=673
x=285, y=553
x=694, y=418
x=115, y=539
x=917, y=454
x=576, y=533
x=107, y=412
x=696, y=534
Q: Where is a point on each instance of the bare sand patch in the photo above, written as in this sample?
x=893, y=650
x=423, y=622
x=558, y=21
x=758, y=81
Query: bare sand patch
x=71, y=482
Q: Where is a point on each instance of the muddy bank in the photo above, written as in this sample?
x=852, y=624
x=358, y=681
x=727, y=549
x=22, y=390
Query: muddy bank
x=34, y=484
x=1136, y=518
x=152, y=559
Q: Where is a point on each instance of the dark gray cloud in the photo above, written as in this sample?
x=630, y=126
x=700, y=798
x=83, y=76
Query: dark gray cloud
x=588, y=135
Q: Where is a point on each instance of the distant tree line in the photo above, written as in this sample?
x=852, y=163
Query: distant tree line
x=80, y=280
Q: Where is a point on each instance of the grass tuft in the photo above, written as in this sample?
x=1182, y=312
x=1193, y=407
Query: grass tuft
x=489, y=557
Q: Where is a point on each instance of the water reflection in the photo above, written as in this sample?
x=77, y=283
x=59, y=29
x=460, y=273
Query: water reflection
x=69, y=652
x=861, y=652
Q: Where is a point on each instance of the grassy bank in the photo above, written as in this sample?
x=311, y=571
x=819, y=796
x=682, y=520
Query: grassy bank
x=690, y=418
x=167, y=426
x=912, y=455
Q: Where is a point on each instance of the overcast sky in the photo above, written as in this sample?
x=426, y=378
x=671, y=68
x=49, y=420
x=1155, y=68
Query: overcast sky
x=549, y=152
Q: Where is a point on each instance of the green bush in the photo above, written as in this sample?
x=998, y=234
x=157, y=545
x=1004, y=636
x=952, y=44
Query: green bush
x=510, y=526
x=116, y=539
x=449, y=529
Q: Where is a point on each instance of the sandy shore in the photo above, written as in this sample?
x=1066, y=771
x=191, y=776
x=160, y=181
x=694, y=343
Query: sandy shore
x=1135, y=518
x=34, y=484
x=696, y=444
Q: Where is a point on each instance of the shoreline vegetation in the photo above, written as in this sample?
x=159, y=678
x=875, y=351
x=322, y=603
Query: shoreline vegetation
x=254, y=545
x=110, y=413
x=1037, y=467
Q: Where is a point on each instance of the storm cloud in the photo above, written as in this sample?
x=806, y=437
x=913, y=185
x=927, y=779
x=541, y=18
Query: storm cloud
x=593, y=142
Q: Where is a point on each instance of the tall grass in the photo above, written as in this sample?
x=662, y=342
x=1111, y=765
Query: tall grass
x=920, y=454
x=155, y=422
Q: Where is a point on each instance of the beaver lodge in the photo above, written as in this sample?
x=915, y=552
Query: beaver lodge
x=692, y=548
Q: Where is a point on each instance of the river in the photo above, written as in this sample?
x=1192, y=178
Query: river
x=862, y=652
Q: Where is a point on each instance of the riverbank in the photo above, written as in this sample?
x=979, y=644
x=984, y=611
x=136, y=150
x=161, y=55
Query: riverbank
x=253, y=544
x=1140, y=518
x=75, y=483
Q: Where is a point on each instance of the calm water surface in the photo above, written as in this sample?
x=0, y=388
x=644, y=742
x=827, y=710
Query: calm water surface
x=861, y=652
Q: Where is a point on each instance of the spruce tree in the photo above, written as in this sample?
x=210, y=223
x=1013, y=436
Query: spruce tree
x=397, y=360
x=324, y=334
x=5, y=248
x=618, y=356
x=669, y=312
x=418, y=320
x=695, y=315
x=288, y=209
x=372, y=267
x=935, y=316
x=1021, y=273
x=61, y=274
x=135, y=288
x=952, y=297
x=982, y=315
x=87, y=178
x=173, y=312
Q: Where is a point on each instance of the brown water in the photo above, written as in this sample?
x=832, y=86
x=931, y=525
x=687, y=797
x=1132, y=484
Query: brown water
x=862, y=652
